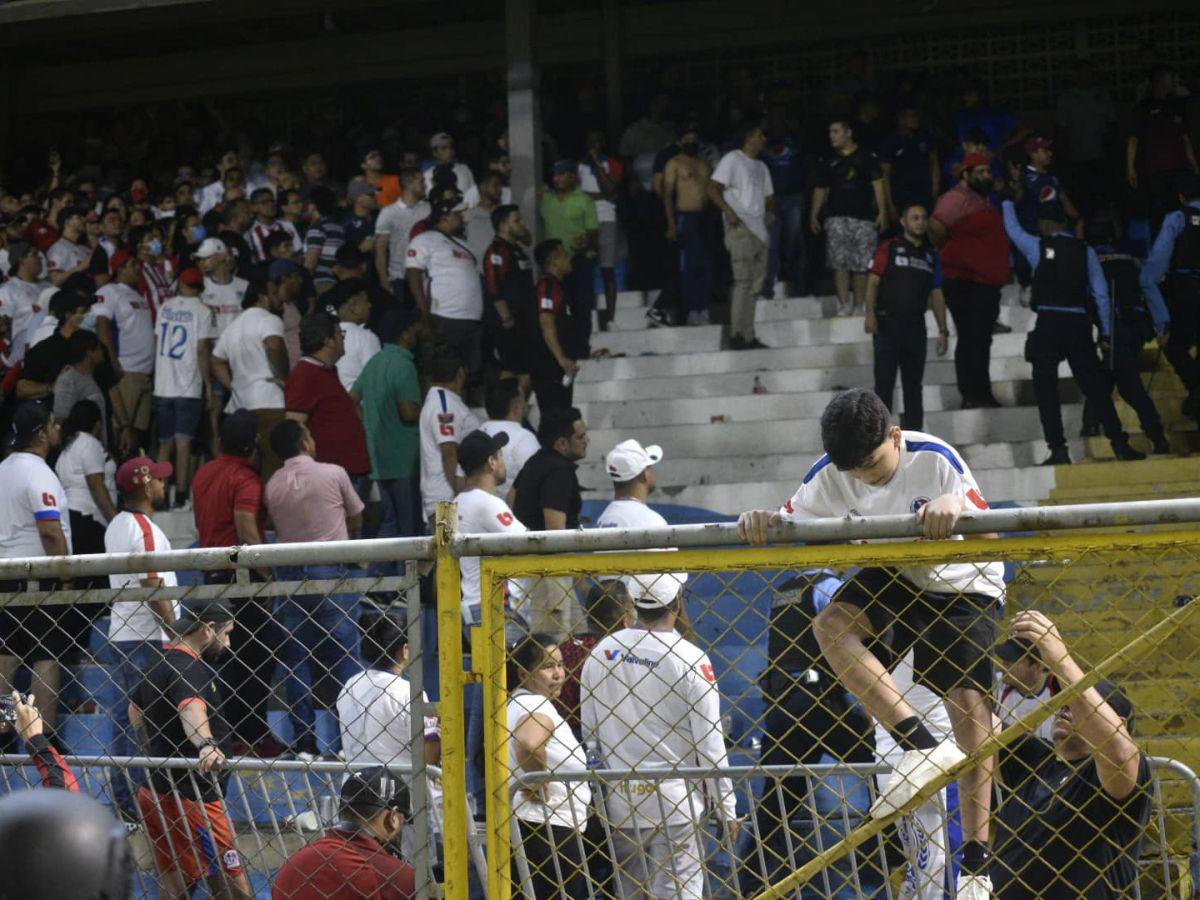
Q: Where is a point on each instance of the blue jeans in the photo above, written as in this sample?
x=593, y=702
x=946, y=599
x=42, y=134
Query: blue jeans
x=399, y=499
x=695, y=261
x=473, y=704
x=320, y=638
x=787, y=259
x=129, y=661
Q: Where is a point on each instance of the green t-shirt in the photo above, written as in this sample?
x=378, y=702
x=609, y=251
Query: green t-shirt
x=569, y=217
x=389, y=378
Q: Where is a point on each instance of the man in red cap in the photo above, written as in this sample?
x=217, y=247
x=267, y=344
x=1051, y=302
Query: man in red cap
x=969, y=230
x=187, y=328
x=123, y=316
x=137, y=630
x=1039, y=187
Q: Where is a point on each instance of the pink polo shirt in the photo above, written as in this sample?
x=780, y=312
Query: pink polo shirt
x=309, y=501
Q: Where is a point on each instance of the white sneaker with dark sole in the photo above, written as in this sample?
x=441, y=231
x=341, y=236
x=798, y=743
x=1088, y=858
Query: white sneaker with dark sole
x=915, y=770
x=974, y=887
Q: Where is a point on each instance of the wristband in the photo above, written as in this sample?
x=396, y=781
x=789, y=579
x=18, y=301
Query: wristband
x=208, y=742
x=945, y=332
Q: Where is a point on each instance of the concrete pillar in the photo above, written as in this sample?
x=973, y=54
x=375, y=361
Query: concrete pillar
x=612, y=72
x=524, y=117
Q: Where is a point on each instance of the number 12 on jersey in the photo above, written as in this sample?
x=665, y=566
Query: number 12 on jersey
x=171, y=340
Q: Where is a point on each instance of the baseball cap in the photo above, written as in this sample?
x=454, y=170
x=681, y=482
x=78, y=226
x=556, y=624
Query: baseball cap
x=477, y=447
x=281, y=268
x=441, y=139
x=191, y=276
x=201, y=612
x=1116, y=698
x=395, y=322
x=562, y=166
x=1015, y=649
x=122, y=256
x=447, y=206
x=30, y=418
x=1038, y=143
x=374, y=789
x=629, y=459
x=976, y=159
x=655, y=590
x=138, y=471
x=210, y=247
x=360, y=187
x=239, y=433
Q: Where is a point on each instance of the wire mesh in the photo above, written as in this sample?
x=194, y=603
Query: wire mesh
x=837, y=721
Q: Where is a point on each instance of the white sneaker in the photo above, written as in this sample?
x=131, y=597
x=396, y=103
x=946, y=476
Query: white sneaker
x=974, y=887
x=915, y=770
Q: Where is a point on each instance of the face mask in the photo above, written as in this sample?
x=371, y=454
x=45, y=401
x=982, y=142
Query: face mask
x=691, y=148
x=199, y=233
x=156, y=247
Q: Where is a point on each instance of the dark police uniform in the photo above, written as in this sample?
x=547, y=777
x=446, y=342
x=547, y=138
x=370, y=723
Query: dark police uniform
x=1066, y=273
x=1132, y=326
x=1177, y=251
x=908, y=273
x=508, y=276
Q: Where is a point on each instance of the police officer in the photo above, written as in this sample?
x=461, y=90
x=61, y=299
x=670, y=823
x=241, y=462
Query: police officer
x=810, y=719
x=1066, y=272
x=905, y=276
x=1176, y=252
x=1135, y=320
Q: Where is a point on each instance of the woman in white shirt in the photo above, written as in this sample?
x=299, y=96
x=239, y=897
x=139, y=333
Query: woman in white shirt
x=88, y=475
x=552, y=815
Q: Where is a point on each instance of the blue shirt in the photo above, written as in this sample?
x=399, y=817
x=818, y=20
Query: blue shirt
x=785, y=161
x=1037, y=188
x=1031, y=249
x=1159, y=260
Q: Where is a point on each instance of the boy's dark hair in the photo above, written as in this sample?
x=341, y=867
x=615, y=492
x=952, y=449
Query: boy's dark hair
x=658, y=613
x=80, y=344
x=606, y=604
x=853, y=424
x=502, y=212
x=315, y=330
x=557, y=423
x=385, y=635
x=500, y=398
x=446, y=363
x=239, y=434
x=527, y=655
x=976, y=136
x=261, y=194
x=325, y=201
x=543, y=251
x=286, y=438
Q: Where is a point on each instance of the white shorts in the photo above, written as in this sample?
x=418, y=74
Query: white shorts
x=653, y=863
x=607, y=245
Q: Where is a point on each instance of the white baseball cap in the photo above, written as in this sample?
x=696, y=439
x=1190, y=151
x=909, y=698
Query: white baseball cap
x=629, y=459
x=655, y=590
x=209, y=247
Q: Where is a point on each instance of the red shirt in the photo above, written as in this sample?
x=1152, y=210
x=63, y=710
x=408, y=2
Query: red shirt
x=315, y=389
x=344, y=863
x=976, y=246
x=574, y=654
x=220, y=488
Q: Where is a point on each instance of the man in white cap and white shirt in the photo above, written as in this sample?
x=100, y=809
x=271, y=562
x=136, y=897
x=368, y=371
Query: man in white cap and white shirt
x=631, y=467
x=649, y=701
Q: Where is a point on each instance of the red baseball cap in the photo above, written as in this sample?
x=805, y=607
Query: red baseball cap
x=1038, y=143
x=976, y=159
x=122, y=256
x=137, y=472
x=191, y=276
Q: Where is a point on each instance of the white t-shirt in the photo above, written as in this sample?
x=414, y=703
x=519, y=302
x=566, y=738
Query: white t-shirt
x=522, y=444
x=396, y=221
x=32, y=493
x=133, y=320
x=133, y=620
x=1012, y=704
x=361, y=345
x=606, y=210
x=567, y=803
x=85, y=456
x=375, y=711
x=482, y=513
x=183, y=322
x=242, y=347
x=650, y=700
x=43, y=330
x=477, y=223
x=19, y=304
x=444, y=419
x=225, y=300
x=64, y=255
x=451, y=275
x=625, y=512
x=464, y=179
x=747, y=186
x=929, y=468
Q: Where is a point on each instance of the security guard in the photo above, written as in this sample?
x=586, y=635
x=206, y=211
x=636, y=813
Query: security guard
x=905, y=277
x=810, y=719
x=1135, y=320
x=1177, y=251
x=509, y=315
x=1065, y=272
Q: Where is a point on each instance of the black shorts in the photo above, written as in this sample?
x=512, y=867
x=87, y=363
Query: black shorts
x=951, y=635
x=36, y=633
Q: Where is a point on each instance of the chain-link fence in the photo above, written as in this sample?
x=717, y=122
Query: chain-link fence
x=881, y=718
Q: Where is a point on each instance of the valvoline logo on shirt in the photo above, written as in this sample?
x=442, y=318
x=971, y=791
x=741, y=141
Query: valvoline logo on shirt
x=612, y=655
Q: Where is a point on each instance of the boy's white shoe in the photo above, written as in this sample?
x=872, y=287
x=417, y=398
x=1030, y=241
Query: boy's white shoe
x=915, y=770
x=974, y=887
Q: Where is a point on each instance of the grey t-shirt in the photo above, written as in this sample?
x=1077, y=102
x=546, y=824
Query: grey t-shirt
x=73, y=386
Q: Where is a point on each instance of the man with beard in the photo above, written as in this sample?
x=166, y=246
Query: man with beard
x=509, y=317
x=685, y=196
x=969, y=231
x=444, y=281
x=176, y=714
x=357, y=857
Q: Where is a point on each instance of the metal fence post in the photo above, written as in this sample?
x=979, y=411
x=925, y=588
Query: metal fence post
x=451, y=706
x=495, y=737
